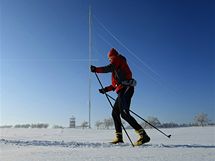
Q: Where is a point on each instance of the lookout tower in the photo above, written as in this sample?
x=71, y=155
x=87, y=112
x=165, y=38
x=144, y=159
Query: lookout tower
x=72, y=122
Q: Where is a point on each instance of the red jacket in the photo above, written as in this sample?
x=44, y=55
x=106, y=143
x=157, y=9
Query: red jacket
x=120, y=72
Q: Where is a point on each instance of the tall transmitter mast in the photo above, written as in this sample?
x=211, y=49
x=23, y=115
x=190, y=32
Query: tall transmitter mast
x=90, y=57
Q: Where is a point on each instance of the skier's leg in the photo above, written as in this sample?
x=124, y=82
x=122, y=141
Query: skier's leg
x=116, y=116
x=125, y=101
x=117, y=123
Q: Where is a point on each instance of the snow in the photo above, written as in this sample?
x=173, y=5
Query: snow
x=187, y=144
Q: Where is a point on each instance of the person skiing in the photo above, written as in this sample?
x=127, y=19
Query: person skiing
x=123, y=84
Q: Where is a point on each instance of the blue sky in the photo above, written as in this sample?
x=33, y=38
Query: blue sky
x=44, y=53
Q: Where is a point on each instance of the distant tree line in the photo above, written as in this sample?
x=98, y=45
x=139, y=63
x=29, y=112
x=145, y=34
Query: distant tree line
x=107, y=123
x=6, y=126
x=58, y=127
x=200, y=119
x=84, y=125
x=38, y=125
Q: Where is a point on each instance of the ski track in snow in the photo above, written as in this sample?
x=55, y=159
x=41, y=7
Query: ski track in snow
x=74, y=144
x=186, y=144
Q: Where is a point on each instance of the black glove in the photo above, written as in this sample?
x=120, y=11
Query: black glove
x=103, y=90
x=93, y=68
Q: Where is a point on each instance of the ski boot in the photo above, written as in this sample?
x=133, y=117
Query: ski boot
x=118, y=138
x=144, y=138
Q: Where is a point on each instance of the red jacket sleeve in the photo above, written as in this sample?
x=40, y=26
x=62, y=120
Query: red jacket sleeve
x=105, y=69
x=109, y=88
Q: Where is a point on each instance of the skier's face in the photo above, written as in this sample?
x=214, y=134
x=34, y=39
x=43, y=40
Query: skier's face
x=111, y=59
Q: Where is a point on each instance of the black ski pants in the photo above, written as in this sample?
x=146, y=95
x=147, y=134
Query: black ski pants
x=121, y=107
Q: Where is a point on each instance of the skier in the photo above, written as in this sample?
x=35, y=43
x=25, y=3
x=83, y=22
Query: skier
x=123, y=84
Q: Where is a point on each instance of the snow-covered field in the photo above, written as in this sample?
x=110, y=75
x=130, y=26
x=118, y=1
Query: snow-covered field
x=186, y=144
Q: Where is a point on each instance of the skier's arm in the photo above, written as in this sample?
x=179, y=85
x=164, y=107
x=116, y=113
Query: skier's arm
x=106, y=89
x=105, y=69
x=110, y=88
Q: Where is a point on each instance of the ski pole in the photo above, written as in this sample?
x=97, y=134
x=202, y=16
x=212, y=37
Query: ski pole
x=144, y=120
x=107, y=96
x=150, y=124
